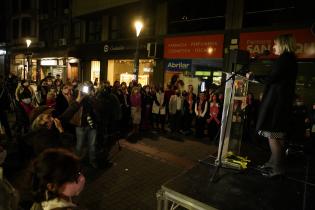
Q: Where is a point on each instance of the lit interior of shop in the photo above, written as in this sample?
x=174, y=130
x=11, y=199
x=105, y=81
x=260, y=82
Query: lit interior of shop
x=122, y=71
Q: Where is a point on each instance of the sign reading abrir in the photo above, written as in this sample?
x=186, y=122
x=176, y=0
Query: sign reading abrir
x=178, y=65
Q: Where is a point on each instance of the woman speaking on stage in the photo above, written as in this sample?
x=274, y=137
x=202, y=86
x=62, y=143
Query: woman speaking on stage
x=276, y=104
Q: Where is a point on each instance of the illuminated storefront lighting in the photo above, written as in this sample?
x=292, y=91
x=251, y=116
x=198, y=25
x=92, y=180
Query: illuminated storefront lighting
x=48, y=62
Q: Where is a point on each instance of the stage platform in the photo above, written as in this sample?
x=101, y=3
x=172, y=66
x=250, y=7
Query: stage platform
x=235, y=190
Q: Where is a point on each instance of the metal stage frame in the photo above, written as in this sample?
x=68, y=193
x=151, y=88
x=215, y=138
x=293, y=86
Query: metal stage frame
x=166, y=196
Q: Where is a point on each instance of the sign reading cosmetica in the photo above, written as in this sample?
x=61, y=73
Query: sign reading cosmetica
x=207, y=46
x=258, y=42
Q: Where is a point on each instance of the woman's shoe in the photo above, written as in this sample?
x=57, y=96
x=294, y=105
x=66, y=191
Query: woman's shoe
x=273, y=173
x=266, y=166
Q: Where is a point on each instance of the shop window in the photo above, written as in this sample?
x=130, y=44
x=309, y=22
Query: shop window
x=217, y=77
x=95, y=70
x=26, y=26
x=15, y=28
x=122, y=71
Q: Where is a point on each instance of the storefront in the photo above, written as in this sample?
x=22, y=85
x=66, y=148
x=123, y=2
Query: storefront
x=122, y=70
x=3, y=53
x=66, y=67
x=120, y=62
x=257, y=42
x=196, y=60
x=21, y=67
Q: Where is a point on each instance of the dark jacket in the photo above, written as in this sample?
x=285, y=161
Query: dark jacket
x=4, y=98
x=108, y=111
x=278, y=95
x=61, y=104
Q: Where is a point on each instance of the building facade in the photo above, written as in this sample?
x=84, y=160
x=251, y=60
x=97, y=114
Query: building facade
x=86, y=40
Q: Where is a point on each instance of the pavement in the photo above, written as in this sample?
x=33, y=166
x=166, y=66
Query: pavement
x=139, y=170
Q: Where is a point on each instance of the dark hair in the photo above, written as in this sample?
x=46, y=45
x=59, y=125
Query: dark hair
x=53, y=166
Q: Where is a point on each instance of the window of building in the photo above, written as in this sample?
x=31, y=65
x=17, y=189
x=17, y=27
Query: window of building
x=114, y=27
x=15, y=28
x=43, y=6
x=149, y=27
x=65, y=4
x=44, y=35
x=277, y=13
x=65, y=7
x=93, y=30
x=76, y=33
x=15, y=6
x=26, y=5
x=55, y=36
x=198, y=16
x=54, y=8
x=64, y=30
x=26, y=26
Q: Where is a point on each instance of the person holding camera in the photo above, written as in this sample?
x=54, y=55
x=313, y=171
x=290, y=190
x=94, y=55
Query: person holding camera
x=86, y=126
x=47, y=129
x=4, y=106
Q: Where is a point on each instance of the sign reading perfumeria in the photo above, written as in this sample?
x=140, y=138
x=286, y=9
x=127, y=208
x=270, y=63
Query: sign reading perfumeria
x=178, y=65
x=258, y=42
x=206, y=46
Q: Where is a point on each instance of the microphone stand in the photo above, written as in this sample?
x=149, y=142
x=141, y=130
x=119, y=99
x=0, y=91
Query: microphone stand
x=226, y=112
x=225, y=115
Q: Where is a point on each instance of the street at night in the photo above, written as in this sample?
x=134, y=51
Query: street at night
x=157, y=104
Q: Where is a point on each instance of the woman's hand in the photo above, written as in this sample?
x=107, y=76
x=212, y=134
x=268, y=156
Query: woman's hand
x=58, y=125
x=80, y=97
x=249, y=75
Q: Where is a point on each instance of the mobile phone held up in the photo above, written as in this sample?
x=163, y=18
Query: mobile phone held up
x=85, y=89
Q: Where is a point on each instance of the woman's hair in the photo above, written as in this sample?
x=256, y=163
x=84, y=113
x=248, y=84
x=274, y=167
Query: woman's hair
x=56, y=167
x=286, y=42
x=36, y=123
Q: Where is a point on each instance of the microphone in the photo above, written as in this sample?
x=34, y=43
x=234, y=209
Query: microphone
x=256, y=56
x=266, y=53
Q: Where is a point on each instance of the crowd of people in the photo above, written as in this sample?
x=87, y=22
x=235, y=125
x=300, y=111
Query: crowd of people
x=125, y=110
x=57, y=124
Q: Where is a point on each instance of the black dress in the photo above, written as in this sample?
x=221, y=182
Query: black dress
x=278, y=97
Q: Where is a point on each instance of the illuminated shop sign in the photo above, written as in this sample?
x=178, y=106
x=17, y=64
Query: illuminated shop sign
x=206, y=46
x=178, y=65
x=258, y=42
x=48, y=62
x=203, y=73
